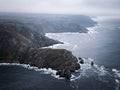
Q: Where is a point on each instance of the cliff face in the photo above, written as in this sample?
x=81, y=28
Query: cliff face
x=23, y=45
x=22, y=32
x=58, y=59
x=15, y=37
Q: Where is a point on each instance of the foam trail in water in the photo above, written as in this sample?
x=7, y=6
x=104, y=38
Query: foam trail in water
x=117, y=84
x=117, y=78
x=42, y=70
x=92, y=30
x=101, y=71
x=116, y=72
x=81, y=71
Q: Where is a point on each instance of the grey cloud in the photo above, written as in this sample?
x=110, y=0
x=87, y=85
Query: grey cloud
x=103, y=3
x=97, y=7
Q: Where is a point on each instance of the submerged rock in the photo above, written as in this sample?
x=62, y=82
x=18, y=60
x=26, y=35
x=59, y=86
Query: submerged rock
x=92, y=63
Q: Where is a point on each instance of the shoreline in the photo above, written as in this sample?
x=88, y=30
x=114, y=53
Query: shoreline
x=49, y=71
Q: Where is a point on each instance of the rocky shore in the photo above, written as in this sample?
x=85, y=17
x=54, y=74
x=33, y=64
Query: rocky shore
x=19, y=44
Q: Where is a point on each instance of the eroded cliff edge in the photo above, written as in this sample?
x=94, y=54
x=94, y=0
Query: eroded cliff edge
x=23, y=36
x=19, y=44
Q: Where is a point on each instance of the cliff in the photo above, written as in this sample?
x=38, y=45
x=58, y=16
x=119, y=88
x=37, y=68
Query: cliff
x=20, y=44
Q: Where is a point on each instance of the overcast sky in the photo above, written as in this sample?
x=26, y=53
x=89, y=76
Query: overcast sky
x=93, y=7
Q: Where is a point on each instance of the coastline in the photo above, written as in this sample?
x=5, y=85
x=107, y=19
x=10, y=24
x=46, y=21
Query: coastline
x=49, y=71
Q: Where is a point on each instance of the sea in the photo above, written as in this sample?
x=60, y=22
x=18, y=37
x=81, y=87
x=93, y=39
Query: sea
x=100, y=45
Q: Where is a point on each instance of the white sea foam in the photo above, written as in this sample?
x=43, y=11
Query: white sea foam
x=117, y=81
x=117, y=78
x=82, y=71
x=59, y=45
x=51, y=35
x=116, y=72
x=92, y=30
x=71, y=47
x=117, y=84
x=87, y=63
x=71, y=43
x=100, y=70
x=42, y=70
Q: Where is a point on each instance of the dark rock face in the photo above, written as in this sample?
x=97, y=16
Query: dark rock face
x=23, y=45
x=92, y=63
x=58, y=59
x=22, y=36
x=81, y=60
x=25, y=34
x=64, y=73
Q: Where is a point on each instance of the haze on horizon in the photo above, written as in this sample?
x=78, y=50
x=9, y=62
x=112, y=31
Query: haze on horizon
x=87, y=7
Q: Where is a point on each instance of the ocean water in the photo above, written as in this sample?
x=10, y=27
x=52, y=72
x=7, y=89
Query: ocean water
x=100, y=45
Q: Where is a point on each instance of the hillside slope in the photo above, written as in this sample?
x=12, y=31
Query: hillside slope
x=20, y=44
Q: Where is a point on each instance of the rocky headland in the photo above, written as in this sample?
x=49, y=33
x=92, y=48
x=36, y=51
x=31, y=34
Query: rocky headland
x=23, y=36
x=20, y=44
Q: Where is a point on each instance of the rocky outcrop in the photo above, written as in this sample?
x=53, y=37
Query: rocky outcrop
x=81, y=61
x=58, y=59
x=22, y=36
x=23, y=45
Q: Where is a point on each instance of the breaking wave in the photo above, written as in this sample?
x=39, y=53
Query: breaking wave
x=77, y=75
x=117, y=78
x=42, y=70
x=116, y=72
x=99, y=70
